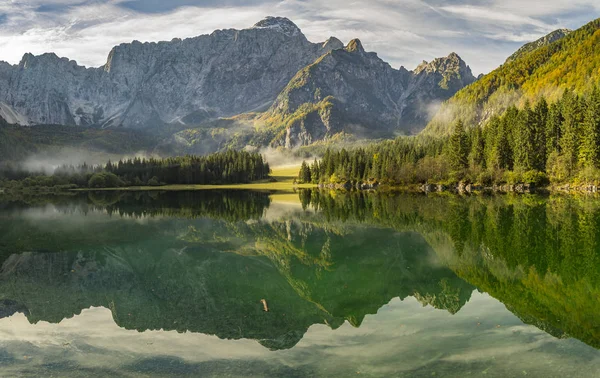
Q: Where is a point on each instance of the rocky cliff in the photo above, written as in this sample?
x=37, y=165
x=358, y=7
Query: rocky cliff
x=149, y=84
x=355, y=92
x=291, y=91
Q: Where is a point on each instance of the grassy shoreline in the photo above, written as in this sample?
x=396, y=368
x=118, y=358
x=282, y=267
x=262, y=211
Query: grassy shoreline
x=284, y=182
x=252, y=186
x=284, y=177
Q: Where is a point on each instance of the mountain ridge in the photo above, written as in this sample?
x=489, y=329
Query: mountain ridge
x=227, y=76
x=541, y=42
x=353, y=91
x=147, y=84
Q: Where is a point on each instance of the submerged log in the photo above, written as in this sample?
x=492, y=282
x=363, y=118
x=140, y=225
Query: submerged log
x=264, y=303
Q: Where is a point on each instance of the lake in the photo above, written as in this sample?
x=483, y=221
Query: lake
x=355, y=284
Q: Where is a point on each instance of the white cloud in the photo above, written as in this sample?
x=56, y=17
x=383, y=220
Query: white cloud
x=488, y=15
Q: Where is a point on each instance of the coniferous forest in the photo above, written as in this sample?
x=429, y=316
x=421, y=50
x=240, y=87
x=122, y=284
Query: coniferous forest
x=230, y=167
x=536, y=143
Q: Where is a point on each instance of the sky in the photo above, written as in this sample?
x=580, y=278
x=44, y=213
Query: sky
x=403, y=32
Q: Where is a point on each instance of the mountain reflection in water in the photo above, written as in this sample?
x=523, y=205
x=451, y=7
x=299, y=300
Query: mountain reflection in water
x=201, y=262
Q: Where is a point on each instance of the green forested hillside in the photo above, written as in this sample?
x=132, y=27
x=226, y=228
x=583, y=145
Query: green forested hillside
x=556, y=142
x=544, y=41
x=572, y=62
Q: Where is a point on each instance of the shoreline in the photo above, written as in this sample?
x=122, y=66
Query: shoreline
x=276, y=186
x=285, y=184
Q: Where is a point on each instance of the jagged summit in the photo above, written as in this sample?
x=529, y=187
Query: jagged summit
x=451, y=72
x=147, y=85
x=197, y=80
x=355, y=46
x=353, y=92
x=281, y=24
x=333, y=44
x=451, y=62
x=28, y=57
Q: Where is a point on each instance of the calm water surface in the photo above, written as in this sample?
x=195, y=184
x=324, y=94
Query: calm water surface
x=171, y=284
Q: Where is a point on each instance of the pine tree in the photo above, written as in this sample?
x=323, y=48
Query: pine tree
x=459, y=148
x=569, y=141
x=477, y=155
x=589, y=152
x=305, y=174
x=525, y=139
x=539, y=142
x=554, y=129
x=491, y=136
x=503, y=154
x=315, y=170
x=511, y=121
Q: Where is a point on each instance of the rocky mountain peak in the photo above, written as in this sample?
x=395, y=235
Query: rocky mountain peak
x=356, y=93
x=29, y=59
x=280, y=24
x=147, y=85
x=47, y=61
x=421, y=67
x=194, y=81
x=450, y=64
x=355, y=46
x=333, y=44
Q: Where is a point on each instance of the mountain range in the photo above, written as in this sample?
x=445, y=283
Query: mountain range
x=292, y=91
x=143, y=85
x=269, y=86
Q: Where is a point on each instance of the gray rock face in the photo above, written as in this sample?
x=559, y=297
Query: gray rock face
x=151, y=84
x=308, y=91
x=355, y=92
x=431, y=84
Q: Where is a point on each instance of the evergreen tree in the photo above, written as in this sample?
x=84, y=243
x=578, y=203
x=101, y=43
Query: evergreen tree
x=525, y=139
x=491, y=136
x=458, y=147
x=503, y=154
x=305, y=173
x=477, y=155
x=589, y=152
x=554, y=129
x=511, y=121
x=539, y=142
x=569, y=142
x=315, y=170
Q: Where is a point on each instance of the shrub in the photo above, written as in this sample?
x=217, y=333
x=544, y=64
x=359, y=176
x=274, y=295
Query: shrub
x=334, y=179
x=558, y=168
x=428, y=169
x=154, y=181
x=536, y=178
x=406, y=175
x=486, y=178
x=513, y=177
x=589, y=175
x=105, y=180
